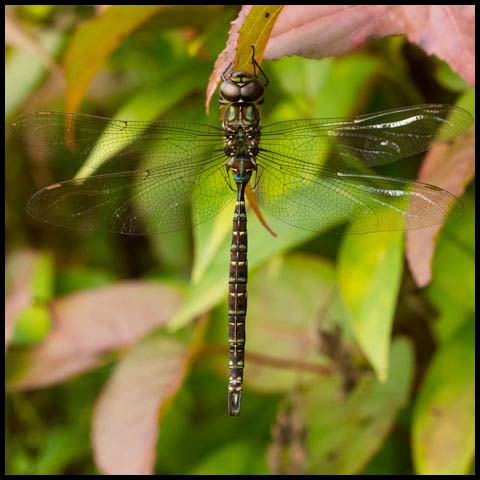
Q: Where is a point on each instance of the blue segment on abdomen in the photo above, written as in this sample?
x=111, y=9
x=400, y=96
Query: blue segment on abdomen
x=241, y=177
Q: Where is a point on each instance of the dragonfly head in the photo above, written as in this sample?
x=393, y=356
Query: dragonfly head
x=241, y=87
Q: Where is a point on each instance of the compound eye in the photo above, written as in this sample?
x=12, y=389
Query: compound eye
x=252, y=91
x=229, y=91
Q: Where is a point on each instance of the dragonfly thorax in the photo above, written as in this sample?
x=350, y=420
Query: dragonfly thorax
x=241, y=130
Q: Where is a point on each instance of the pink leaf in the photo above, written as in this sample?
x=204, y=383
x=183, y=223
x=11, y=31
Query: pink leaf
x=92, y=322
x=125, y=422
x=450, y=167
x=317, y=31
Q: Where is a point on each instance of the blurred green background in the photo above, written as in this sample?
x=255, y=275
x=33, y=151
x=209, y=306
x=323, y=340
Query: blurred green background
x=324, y=409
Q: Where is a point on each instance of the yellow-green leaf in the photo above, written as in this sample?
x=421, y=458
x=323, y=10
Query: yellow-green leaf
x=369, y=272
x=95, y=40
x=31, y=325
x=255, y=31
x=443, y=419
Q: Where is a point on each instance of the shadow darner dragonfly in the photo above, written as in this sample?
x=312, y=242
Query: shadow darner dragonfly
x=164, y=176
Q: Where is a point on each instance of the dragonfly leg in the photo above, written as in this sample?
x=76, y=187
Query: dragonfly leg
x=256, y=65
x=224, y=72
x=227, y=177
x=256, y=179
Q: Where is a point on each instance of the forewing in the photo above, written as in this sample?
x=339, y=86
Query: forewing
x=373, y=139
x=105, y=145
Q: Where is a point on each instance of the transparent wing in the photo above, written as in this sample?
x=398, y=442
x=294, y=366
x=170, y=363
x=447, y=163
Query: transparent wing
x=112, y=146
x=313, y=198
x=158, y=200
x=373, y=139
x=149, y=177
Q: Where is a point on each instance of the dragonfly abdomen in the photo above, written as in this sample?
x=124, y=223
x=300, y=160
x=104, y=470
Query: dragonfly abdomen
x=237, y=302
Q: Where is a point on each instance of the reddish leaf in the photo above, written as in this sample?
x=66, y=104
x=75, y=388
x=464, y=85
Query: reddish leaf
x=317, y=31
x=450, y=167
x=125, y=422
x=92, y=322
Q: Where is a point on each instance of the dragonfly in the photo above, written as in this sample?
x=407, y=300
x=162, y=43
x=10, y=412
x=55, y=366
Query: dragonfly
x=155, y=177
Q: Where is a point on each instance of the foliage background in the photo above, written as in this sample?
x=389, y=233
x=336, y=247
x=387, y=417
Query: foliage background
x=337, y=416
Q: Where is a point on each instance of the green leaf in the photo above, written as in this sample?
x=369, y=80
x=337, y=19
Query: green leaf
x=61, y=447
x=38, y=12
x=146, y=105
x=236, y=458
x=31, y=325
x=452, y=290
x=31, y=276
x=344, y=436
x=330, y=87
x=467, y=101
x=43, y=277
x=448, y=78
x=77, y=278
x=443, y=436
x=369, y=273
